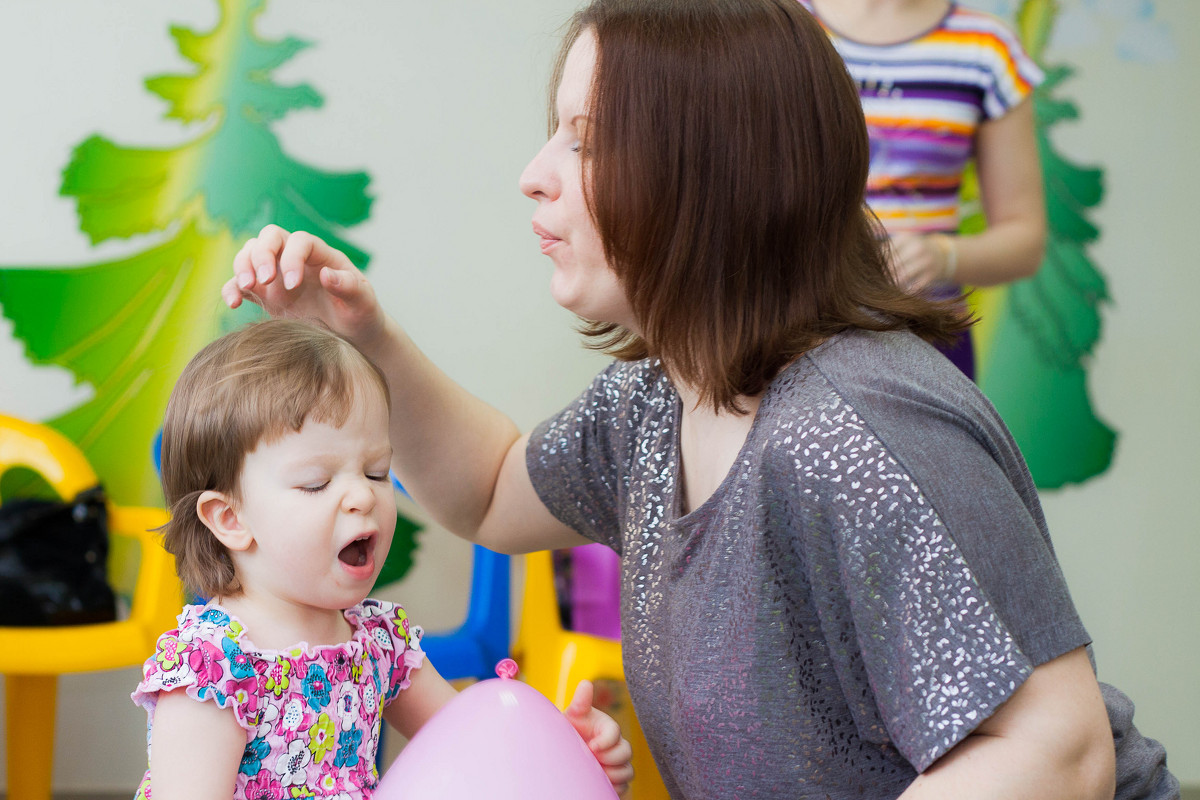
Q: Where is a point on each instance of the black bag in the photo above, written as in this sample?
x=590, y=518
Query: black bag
x=54, y=562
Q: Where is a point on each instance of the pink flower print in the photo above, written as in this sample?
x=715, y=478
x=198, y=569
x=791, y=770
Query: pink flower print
x=338, y=667
x=263, y=786
x=358, y=776
x=277, y=675
x=205, y=659
x=170, y=652
x=292, y=766
x=348, y=703
x=328, y=782
x=245, y=695
x=322, y=738
x=295, y=719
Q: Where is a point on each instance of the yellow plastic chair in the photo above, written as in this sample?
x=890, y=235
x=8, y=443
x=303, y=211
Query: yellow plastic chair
x=31, y=659
x=554, y=660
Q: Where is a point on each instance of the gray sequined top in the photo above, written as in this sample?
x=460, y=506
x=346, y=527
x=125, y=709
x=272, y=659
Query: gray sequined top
x=869, y=582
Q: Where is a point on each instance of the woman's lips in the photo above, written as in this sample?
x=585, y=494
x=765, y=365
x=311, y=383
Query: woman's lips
x=548, y=240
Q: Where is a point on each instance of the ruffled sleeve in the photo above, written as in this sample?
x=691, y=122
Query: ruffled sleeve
x=202, y=657
x=399, y=639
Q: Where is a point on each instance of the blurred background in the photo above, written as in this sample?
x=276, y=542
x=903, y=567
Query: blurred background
x=406, y=145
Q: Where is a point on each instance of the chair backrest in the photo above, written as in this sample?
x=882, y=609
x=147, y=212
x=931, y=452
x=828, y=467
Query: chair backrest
x=47, y=452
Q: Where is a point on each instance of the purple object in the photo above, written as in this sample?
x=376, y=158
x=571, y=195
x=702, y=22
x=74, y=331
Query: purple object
x=596, y=591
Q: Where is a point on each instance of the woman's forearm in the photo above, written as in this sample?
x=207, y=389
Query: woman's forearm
x=448, y=445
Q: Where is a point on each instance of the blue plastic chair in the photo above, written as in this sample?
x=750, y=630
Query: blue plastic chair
x=472, y=649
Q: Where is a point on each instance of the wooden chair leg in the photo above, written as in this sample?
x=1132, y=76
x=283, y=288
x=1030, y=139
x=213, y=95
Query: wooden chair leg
x=31, y=701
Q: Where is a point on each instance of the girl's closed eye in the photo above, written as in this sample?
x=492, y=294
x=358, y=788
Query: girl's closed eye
x=313, y=488
x=378, y=476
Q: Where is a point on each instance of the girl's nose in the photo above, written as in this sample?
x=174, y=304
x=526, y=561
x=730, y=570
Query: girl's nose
x=537, y=179
x=359, y=497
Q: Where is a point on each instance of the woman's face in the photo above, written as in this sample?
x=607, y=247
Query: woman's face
x=582, y=282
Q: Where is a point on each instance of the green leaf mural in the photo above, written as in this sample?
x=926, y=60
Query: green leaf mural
x=128, y=326
x=1037, y=335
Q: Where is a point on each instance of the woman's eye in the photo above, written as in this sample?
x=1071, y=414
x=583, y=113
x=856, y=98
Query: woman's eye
x=313, y=488
x=376, y=476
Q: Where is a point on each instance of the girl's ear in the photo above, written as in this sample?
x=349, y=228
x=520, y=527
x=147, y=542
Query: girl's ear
x=217, y=512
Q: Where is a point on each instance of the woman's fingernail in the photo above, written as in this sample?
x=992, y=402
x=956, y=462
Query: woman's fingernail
x=289, y=280
x=264, y=272
x=244, y=279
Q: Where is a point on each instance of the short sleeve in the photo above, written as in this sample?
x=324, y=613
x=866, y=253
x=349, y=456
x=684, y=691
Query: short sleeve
x=399, y=640
x=1014, y=75
x=931, y=645
x=203, y=658
x=572, y=459
x=931, y=553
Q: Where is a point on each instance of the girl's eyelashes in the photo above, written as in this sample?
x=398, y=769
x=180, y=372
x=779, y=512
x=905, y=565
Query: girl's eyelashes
x=378, y=476
x=314, y=488
x=577, y=147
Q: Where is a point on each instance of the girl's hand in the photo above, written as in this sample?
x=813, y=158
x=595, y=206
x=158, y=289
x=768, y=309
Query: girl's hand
x=918, y=261
x=603, y=736
x=299, y=275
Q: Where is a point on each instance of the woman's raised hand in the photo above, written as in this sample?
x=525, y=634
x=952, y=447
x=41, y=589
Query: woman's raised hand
x=299, y=275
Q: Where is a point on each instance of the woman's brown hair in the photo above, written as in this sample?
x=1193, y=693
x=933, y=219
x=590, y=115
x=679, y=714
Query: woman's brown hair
x=727, y=161
x=250, y=386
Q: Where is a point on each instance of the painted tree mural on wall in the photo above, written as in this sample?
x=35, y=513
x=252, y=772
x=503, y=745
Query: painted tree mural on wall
x=1038, y=334
x=127, y=327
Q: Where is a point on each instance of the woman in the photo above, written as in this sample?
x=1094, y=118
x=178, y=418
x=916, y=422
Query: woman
x=812, y=602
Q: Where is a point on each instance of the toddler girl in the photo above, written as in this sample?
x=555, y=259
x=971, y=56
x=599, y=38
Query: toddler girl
x=275, y=467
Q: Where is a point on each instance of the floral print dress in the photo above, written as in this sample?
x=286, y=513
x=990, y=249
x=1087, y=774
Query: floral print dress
x=312, y=715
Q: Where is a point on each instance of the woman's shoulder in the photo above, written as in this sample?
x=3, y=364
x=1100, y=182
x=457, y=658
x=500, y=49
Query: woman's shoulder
x=893, y=384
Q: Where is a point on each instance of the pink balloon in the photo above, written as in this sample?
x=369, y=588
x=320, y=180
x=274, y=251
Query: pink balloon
x=499, y=739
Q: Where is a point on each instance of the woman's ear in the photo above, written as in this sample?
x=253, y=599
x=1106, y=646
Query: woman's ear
x=218, y=513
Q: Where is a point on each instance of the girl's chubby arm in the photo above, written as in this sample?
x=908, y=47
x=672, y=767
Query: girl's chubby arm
x=461, y=459
x=429, y=691
x=1050, y=739
x=195, y=749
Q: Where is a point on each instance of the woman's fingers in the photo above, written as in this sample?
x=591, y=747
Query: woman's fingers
x=264, y=253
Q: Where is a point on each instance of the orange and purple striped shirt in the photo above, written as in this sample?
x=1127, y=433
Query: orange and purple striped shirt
x=924, y=99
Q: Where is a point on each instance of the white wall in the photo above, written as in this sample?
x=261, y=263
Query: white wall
x=442, y=103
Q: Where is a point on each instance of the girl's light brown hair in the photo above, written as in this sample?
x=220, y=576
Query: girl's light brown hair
x=726, y=157
x=250, y=386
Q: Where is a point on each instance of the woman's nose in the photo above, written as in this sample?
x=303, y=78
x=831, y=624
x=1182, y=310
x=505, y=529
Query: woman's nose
x=537, y=179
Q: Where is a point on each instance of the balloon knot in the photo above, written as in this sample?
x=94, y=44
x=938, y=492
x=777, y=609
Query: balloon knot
x=506, y=668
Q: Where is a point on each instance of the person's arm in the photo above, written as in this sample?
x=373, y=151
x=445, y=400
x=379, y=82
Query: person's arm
x=461, y=459
x=178, y=768
x=1051, y=739
x=425, y=695
x=1010, y=188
